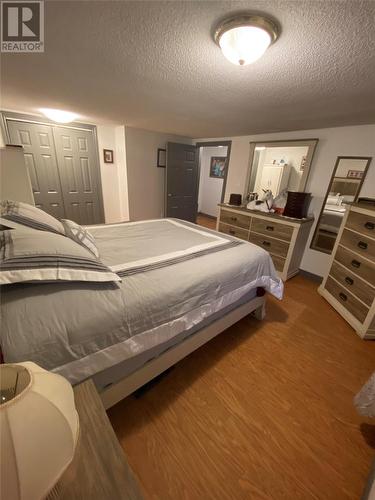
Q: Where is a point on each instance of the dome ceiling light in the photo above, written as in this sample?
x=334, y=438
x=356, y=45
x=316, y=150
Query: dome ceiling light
x=244, y=39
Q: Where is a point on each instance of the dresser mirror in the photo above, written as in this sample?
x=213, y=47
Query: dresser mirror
x=344, y=187
x=279, y=166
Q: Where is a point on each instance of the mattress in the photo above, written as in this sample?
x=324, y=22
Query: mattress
x=175, y=275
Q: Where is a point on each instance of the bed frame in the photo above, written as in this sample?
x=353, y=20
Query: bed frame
x=118, y=391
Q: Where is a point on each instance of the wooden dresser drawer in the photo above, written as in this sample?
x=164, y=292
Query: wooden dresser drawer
x=352, y=283
x=235, y=219
x=361, y=267
x=278, y=262
x=347, y=300
x=358, y=243
x=234, y=231
x=271, y=228
x=362, y=223
x=273, y=246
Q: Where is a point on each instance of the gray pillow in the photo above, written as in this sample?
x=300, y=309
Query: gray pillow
x=27, y=255
x=30, y=216
x=80, y=235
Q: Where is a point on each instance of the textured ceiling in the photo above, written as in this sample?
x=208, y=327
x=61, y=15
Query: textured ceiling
x=154, y=65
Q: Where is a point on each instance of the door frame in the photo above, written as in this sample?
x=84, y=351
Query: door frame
x=205, y=144
x=7, y=116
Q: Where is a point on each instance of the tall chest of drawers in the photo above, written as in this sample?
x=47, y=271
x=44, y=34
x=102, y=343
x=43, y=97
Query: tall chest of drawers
x=283, y=237
x=350, y=283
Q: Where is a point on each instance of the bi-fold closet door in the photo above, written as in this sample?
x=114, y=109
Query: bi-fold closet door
x=63, y=167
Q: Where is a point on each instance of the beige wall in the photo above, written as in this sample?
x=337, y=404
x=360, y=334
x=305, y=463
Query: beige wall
x=340, y=141
x=113, y=175
x=145, y=180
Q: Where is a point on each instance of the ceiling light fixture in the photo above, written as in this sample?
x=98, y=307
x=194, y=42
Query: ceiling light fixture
x=245, y=38
x=57, y=115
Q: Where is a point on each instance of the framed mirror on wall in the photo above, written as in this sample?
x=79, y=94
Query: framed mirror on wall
x=279, y=166
x=344, y=187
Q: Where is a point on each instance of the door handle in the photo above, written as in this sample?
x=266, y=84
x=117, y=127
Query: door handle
x=355, y=263
x=266, y=243
x=362, y=245
x=343, y=296
x=349, y=281
x=231, y=231
x=369, y=225
x=169, y=194
x=233, y=219
x=269, y=228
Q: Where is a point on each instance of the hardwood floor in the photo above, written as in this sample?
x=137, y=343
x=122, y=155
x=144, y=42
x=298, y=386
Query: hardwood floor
x=263, y=411
x=205, y=221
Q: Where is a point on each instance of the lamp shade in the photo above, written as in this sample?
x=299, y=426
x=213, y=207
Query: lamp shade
x=39, y=430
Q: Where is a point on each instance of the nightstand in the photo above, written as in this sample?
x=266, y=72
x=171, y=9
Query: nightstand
x=99, y=470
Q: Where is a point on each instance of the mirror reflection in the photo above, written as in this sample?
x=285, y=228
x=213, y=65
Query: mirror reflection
x=344, y=187
x=279, y=166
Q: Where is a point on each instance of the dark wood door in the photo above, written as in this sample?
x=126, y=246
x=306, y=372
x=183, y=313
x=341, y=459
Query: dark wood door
x=181, y=182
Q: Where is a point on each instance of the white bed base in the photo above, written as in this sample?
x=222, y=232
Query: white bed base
x=118, y=391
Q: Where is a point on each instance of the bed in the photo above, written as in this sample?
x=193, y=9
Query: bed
x=181, y=285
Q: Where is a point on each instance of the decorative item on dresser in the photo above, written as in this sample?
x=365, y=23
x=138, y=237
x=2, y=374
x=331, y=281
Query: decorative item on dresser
x=350, y=284
x=283, y=237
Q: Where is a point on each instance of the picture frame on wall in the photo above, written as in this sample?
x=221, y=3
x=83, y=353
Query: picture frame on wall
x=217, y=166
x=108, y=155
x=162, y=158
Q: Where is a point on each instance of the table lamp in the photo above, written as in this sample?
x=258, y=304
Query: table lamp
x=38, y=430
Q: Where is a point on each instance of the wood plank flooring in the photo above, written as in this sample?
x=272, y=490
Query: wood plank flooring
x=263, y=411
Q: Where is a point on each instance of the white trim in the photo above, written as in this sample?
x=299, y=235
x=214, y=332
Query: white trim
x=218, y=241
x=55, y=274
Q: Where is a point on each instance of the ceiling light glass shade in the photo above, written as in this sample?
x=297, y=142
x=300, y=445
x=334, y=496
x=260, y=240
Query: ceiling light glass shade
x=58, y=115
x=39, y=430
x=245, y=39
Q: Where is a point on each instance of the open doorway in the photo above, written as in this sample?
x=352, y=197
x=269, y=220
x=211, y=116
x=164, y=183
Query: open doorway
x=213, y=170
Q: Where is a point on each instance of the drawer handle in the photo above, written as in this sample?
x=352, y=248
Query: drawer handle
x=356, y=264
x=233, y=219
x=269, y=228
x=343, y=296
x=266, y=243
x=369, y=225
x=231, y=231
x=349, y=281
x=362, y=245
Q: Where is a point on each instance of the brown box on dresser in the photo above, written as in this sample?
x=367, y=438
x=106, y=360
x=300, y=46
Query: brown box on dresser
x=350, y=283
x=283, y=237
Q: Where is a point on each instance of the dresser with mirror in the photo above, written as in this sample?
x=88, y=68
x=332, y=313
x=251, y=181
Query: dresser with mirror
x=279, y=166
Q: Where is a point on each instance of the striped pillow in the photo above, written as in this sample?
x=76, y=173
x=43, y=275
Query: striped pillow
x=29, y=255
x=80, y=235
x=30, y=216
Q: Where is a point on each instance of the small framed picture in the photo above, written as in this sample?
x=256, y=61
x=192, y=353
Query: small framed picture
x=162, y=158
x=355, y=174
x=108, y=155
x=217, y=166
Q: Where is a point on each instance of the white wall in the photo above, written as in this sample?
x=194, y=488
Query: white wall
x=113, y=175
x=145, y=179
x=340, y=141
x=210, y=188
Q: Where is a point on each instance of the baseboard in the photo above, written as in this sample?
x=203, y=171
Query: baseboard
x=311, y=276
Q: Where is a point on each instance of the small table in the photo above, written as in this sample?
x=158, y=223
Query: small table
x=99, y=470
